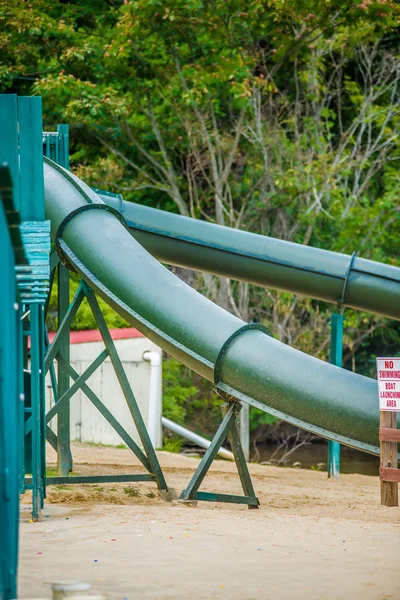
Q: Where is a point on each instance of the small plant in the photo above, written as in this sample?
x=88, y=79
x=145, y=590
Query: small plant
x=151, y=495
x=318, y=467
x=99, y=445
x=173, y=444
x=132, y=491
x=121, y=446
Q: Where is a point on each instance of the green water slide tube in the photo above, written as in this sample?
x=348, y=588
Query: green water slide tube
x=261, y=260
x=243, y=360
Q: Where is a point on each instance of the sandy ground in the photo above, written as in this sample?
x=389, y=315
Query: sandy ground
x=311, y=538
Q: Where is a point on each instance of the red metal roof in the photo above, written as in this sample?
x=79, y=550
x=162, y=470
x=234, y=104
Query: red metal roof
x=93, y=335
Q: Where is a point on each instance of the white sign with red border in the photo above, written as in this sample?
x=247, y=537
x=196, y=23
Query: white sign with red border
x=388, y=370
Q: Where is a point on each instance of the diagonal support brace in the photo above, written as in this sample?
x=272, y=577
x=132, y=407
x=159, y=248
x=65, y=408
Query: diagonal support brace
x=229, y=427
x=126, y=388
x=95, y=400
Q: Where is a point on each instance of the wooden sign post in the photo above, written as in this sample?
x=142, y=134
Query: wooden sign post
x=388, y=370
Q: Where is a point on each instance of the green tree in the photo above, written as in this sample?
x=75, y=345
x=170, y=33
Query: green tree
x=276, y=117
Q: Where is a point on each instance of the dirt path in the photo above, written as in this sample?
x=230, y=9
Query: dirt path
x=312, y=538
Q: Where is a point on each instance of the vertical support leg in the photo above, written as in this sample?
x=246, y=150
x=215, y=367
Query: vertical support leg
x=244, y=428
x=36, y=398
x=64, y=461
x=43, y=425
x=336, y=353
x=21, y=398
x=240, y=460
x=27, y=458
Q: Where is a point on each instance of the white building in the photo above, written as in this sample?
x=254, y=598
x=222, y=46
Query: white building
x=87, y=423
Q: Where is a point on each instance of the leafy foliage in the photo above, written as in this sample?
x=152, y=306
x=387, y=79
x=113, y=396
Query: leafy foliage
x=178, y=390
x=189, y=400
x=84, y=318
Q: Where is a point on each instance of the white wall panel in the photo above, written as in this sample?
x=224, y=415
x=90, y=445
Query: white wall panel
x=87, y=424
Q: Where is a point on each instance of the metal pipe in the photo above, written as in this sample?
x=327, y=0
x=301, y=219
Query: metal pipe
x=155, y=398
x=194, y=437
x=336, y=352
x=322, y=274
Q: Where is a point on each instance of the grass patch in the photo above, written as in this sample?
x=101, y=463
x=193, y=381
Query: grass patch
x=173, y=444
x=132, y=491
x=99, y=445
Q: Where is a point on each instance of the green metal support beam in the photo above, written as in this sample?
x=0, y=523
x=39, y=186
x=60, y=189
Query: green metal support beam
x=21, y=145
x=228, y=427
x=11, y=389
x=95, y=400
x=148, y=458
x=37, y=423
x=64, y=457
x=80, y=480
x=126, y=388
x=64, y=326
x=76, y=386
x=336, y=352
x=56, y=147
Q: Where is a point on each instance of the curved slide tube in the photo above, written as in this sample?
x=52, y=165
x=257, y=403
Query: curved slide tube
x=261, y=260
x=244, y=361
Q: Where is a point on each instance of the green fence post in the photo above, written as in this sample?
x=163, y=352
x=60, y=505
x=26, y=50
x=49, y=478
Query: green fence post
x=336, y=352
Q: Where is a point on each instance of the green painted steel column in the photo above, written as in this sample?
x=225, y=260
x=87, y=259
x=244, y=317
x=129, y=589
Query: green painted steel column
x=11, y=252
x=64, y=462
x=31, y=184
x=59, y=152
x=9, y=140
x=336, y=353
x=37, y=420
x=64, y=457
x=30, y=160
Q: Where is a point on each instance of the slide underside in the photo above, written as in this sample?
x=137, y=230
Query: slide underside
x=246, y=363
